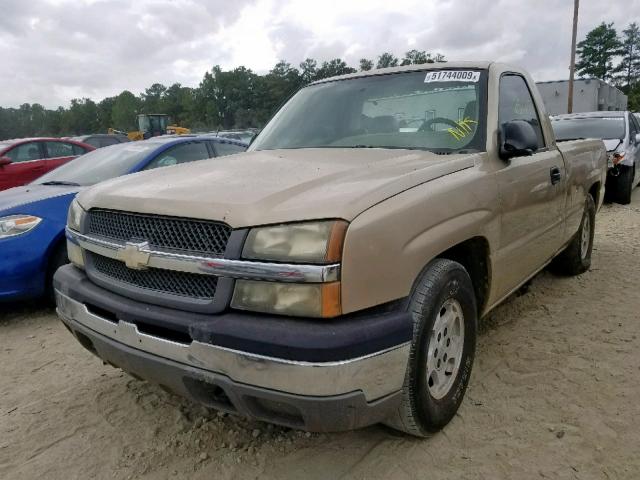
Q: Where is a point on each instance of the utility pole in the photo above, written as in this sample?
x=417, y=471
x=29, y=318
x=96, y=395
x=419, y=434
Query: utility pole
x=572, y=67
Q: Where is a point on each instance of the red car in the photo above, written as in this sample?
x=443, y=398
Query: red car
x=23, y=160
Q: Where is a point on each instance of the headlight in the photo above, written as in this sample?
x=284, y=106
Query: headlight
x=74, y=218
x=312, y=242
x=17, y=224
x=295, y=299
x=618, y=157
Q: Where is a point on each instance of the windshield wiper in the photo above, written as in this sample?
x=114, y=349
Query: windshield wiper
x=61, y=182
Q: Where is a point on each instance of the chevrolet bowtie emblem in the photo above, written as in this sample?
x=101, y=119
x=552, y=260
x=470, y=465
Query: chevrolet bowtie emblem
x=135, y=255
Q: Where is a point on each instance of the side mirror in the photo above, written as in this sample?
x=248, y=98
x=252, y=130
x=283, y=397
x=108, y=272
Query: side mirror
x=517, y=139
x=4, y=161
x=637, y=138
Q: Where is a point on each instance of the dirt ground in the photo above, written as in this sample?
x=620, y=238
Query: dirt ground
x=555, y=393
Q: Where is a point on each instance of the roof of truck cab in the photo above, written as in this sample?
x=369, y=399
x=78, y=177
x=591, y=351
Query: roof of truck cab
x=473, y=65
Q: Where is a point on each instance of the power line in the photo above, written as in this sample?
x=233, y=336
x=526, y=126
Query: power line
x=572, y=67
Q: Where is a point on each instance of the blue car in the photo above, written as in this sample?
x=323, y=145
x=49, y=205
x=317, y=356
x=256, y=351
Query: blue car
x=33, y=217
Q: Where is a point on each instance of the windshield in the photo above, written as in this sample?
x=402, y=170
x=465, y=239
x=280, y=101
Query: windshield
x=152, y=123
x=432, y=110
x=606, y=128
x=99, y=165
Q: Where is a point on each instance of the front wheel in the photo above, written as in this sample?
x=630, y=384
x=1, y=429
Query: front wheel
x=624, y=185
x=444, y=312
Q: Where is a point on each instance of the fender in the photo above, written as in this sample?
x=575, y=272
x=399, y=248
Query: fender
x=387, y=246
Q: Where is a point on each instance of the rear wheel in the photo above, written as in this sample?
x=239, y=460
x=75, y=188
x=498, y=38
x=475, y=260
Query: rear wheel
x=576, y=258
x=444, y=312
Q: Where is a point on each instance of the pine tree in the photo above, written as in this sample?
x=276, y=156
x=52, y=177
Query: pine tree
x=629, y=67
x=365, y=64
x=387, y=60
x=415, y=57
x=597, y=51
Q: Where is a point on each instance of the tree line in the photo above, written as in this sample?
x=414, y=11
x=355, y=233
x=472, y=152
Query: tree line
x=238, y=98
x=241, y=98
x=613, y=57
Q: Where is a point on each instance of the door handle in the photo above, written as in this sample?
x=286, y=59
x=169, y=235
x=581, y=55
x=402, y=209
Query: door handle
x=556, y=175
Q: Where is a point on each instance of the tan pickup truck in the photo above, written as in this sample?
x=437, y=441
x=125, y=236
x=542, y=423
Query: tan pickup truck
x=333, y=276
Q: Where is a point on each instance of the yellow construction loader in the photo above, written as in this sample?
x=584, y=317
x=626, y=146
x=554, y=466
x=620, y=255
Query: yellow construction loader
x=153, y=125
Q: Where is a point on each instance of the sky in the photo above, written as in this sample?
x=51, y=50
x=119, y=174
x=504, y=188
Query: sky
x=55, y=50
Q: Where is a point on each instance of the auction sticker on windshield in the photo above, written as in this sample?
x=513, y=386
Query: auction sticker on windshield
x=452, y=76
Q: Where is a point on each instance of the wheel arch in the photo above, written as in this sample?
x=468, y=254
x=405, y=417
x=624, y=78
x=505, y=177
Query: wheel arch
x=594, y=191
x=474, y=255
x=59, y=241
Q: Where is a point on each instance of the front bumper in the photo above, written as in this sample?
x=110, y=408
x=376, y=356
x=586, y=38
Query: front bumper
x=312, y=395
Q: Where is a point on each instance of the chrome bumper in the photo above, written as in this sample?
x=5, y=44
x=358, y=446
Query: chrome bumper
x=376, y=375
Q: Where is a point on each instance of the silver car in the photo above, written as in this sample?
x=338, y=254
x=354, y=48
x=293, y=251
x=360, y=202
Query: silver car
x=621, y=134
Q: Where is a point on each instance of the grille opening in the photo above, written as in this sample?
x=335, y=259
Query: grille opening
x=173, y=233
x=172, y=282
x=276, y=412
x=102, y=313
x=209, y=394
x=164, y=333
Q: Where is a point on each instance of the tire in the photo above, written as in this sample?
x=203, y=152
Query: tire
x=624, y=185
x=58, y=258
x=576, y=258
x=444, y=291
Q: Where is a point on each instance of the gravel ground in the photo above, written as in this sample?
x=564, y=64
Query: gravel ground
x=554, y=394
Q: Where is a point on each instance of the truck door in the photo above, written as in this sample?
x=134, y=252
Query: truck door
x=531, y=192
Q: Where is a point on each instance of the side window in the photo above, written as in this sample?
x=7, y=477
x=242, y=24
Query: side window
x=59, y=149
x=223, y=149
x=516, y=103
x=106, y=141
x=93, y=141
x=184, y=153
x=25, y=152
x=78, y=150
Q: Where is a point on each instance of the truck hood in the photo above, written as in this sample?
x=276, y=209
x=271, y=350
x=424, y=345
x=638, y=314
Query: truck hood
x=612, y=144
x=274, y=186
x=30, y=194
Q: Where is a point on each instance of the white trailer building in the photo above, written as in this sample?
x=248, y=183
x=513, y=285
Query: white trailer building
x=589, y=95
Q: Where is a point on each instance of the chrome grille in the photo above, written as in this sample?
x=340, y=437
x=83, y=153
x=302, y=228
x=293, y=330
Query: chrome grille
x=195, y=236
x=164, y=281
